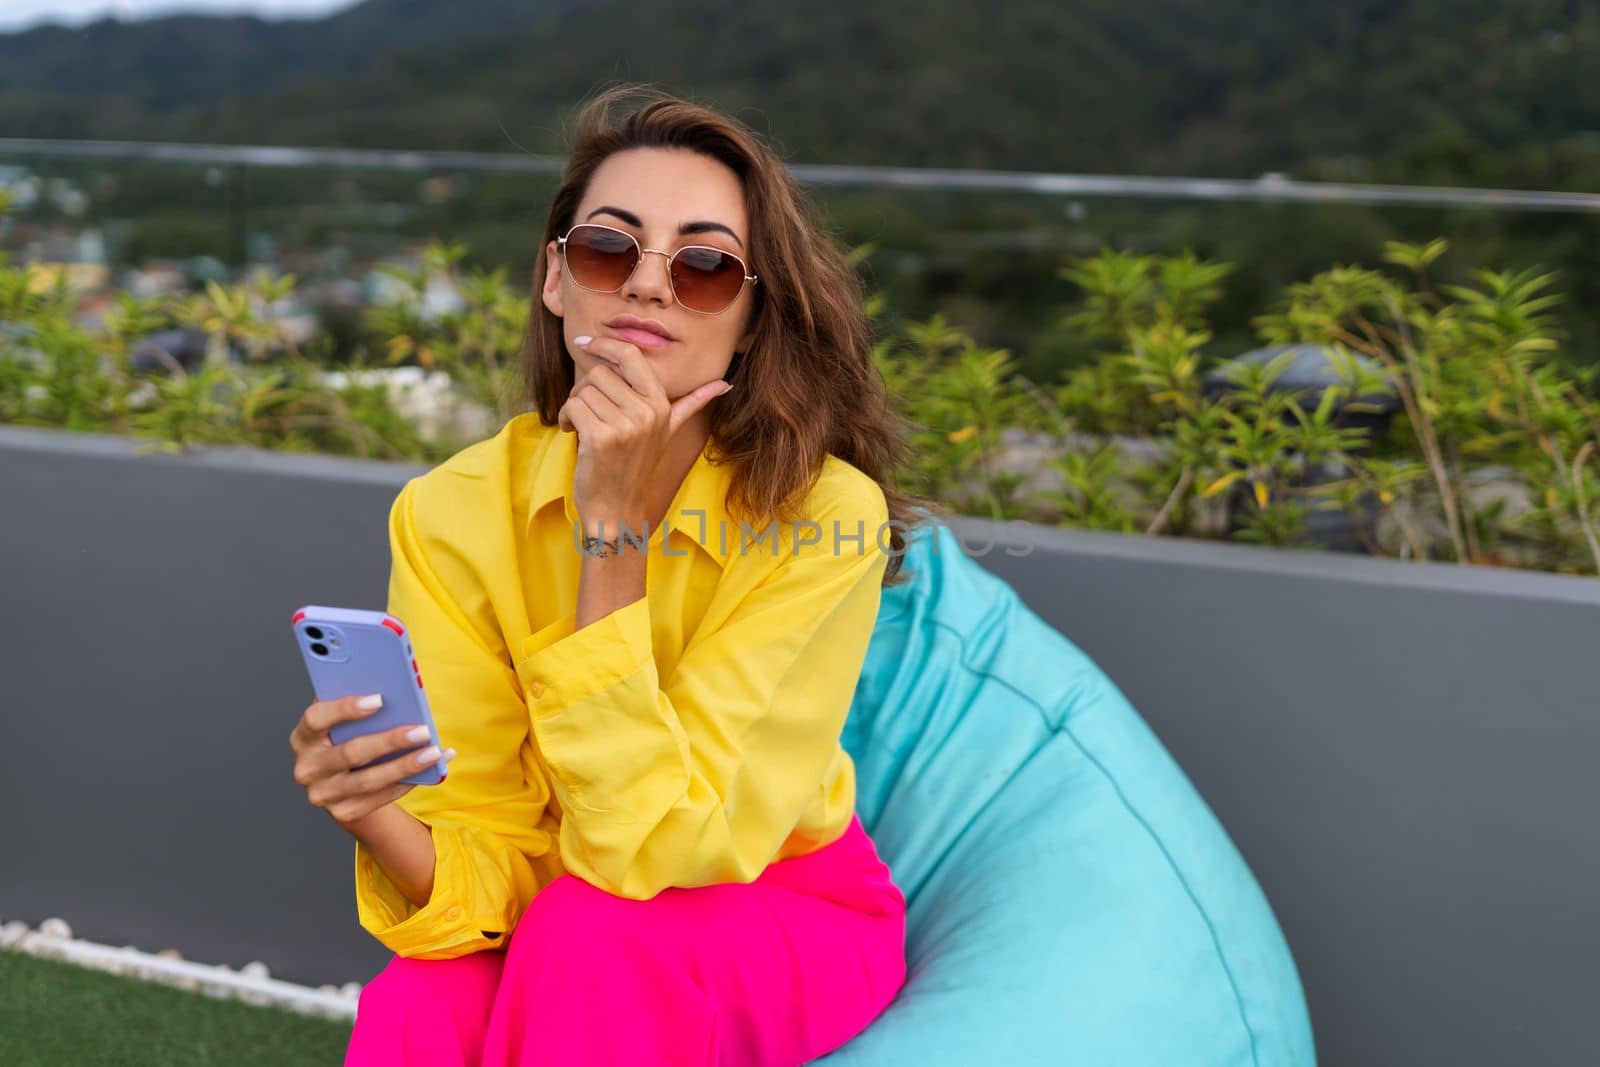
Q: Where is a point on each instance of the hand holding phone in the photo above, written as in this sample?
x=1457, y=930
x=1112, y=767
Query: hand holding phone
x=354, y=779
x=350, y=758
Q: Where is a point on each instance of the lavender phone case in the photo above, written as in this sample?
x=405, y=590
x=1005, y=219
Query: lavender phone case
x=360, y=652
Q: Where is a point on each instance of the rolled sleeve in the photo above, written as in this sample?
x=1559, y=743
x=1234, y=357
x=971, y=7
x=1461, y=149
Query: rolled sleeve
x=561, y=666
x=479, y=884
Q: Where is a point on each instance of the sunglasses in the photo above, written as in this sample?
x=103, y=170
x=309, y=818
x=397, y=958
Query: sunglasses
x=704, y=279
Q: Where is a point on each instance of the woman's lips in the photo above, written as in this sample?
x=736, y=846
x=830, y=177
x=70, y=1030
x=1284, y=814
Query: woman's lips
x=642, y=338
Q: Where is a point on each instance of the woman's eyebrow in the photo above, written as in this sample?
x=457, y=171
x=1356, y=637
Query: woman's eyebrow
x=687, y=228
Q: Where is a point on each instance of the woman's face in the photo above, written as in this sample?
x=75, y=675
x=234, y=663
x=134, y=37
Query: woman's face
x=656, y=194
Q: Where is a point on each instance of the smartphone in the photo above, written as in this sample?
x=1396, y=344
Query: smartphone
x=352, y=652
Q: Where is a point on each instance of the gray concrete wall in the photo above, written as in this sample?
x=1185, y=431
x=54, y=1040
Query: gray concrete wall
x=1404, y=753
x=150, y=681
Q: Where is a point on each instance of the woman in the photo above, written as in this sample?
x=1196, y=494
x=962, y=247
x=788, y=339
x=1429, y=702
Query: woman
x=640, y=611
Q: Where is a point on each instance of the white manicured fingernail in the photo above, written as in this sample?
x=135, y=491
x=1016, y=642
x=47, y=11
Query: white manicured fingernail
x=367, y=703
x=427, y=755
x=582, y=340
x=419, y=733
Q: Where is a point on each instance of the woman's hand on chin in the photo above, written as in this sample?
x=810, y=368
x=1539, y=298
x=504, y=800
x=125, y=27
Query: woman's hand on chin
x=623, y=419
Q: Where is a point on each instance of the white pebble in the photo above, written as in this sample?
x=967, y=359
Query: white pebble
x=170, y=954
x=351, y=989
x=256, y=969
x=54, y=927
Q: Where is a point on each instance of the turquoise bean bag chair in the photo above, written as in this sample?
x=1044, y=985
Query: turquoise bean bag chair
x=1073, y=900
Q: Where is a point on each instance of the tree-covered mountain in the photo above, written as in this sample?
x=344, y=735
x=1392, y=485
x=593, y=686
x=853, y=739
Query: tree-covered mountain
x=1496, y=92
x=152, y=68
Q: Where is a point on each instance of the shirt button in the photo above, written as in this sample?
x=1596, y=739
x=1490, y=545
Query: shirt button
x=537, y=690
x=454, y=913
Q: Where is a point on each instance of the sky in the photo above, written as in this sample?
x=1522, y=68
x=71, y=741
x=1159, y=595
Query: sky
x=19, y=14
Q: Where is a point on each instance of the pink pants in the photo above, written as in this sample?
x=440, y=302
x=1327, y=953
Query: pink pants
x=777, y=972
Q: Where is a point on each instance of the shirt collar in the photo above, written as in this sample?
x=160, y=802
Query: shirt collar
x=698, y=512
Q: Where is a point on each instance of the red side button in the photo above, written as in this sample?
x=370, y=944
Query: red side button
x=394, y=624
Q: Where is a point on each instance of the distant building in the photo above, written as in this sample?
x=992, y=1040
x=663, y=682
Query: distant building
x=78, y=277
x=155, y=278
x=58, y=244
x=19, y=187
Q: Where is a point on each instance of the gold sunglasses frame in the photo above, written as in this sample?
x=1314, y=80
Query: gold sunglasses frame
x=749, y=279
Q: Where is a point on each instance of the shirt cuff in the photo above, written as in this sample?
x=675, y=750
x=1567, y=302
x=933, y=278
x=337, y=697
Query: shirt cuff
x=590, y=695
x=561, y=666
x=474, y=906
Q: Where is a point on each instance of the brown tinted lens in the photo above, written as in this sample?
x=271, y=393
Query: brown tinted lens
x=705, y=279
x=600, y=258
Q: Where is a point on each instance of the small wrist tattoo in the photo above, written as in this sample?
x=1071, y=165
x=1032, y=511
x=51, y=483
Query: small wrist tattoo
x=596, y=546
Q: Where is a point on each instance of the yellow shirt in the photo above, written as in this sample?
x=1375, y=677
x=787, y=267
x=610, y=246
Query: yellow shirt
x=688, y=738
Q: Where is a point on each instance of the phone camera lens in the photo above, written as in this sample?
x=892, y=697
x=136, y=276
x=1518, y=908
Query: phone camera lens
x=313, y=632
x=320, y=649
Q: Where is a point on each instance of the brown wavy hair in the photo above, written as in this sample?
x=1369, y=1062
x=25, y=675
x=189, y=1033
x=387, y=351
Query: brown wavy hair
x=807, y=385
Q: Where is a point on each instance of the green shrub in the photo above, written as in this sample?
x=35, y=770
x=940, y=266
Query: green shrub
x=1489, y=461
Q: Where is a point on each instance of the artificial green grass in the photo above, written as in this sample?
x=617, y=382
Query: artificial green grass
x=55, y=1014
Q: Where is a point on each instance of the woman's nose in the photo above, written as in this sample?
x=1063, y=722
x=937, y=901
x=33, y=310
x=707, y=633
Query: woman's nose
x=650, y=280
